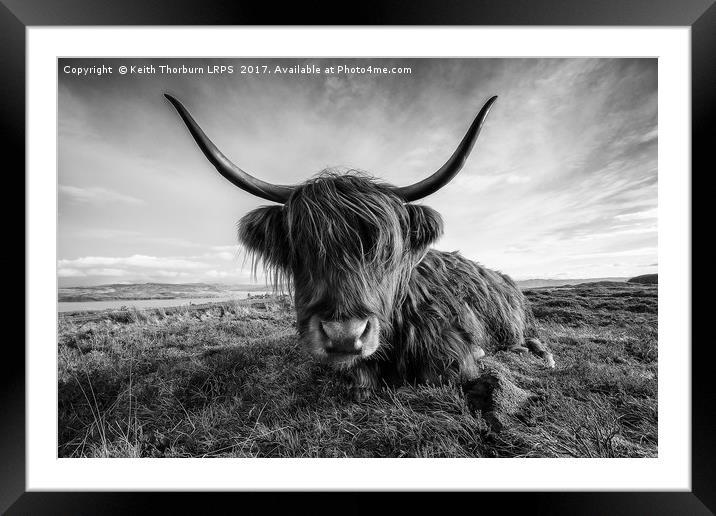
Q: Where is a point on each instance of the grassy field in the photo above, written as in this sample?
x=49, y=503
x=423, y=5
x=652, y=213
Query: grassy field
x=230, y=380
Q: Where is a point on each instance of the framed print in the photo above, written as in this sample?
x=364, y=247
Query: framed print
x=424, y=256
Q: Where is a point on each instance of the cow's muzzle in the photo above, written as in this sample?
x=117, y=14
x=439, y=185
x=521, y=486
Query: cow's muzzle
x=344, y=340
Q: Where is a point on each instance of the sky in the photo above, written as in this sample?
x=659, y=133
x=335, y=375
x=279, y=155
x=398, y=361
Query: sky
x=562, y=182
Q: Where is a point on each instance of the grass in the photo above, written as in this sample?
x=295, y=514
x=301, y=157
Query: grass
x=230, y=380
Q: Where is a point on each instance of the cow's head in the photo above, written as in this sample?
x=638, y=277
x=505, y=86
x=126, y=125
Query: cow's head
x=346, y=242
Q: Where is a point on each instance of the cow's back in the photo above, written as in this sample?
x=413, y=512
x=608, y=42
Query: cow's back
x=451, y=306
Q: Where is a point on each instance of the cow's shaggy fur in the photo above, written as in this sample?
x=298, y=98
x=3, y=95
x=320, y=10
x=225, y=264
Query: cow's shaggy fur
x=353, y=249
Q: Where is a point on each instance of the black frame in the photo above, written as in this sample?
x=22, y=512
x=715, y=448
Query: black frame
x=17, y=15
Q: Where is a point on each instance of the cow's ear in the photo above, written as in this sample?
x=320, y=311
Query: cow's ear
x=426, y=226
x=263, y=232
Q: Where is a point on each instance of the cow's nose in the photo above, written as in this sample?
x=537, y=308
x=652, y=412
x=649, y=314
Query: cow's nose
x=345, y=336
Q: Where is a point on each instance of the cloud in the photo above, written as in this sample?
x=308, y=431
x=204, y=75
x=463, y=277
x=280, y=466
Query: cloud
x=626, y=252
x=137, y=260
x=229, y=248
x=107, y=272
x=617, y=232
x=217, y=274
x=133, y=236
x=515, y=179
x=650, y=136
x=225, y=255
x=67, y=272
x=96, y=195
x=476, y=183
x=639, y=215
x=171, y=274
x=140, y=268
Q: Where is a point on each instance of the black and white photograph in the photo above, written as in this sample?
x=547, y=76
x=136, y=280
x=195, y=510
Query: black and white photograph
x=357, y=257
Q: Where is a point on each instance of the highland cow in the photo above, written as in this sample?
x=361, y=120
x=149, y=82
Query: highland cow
x=371, y=296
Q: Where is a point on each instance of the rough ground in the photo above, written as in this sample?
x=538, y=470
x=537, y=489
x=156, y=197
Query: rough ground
x=230, y=380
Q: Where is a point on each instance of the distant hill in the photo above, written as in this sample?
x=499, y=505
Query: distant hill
x=645, y=279
x=537, y=283
x=138, y=291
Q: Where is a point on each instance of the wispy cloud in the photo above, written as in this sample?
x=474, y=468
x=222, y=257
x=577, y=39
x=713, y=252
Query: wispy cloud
x=70, y=272
x=205, y=267
x=133, y=237
x=96, y=195
x=642, y=251
x=639, y=215
x=137, y=260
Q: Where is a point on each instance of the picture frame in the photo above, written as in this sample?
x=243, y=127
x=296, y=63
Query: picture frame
x=16, y=16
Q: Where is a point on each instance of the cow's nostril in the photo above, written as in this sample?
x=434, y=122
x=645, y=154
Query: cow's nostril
x=344, y=336
x=366, y=330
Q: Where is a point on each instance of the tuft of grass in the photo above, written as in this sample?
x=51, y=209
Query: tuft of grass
x=231, y=380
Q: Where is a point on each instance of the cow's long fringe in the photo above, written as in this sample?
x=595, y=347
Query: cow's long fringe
x=346, y=220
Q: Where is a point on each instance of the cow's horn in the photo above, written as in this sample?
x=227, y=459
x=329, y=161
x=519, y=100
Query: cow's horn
x=268, y=191
x=452, y=166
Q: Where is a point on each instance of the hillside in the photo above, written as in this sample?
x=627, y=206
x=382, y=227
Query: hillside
x=231, y=380
x=120, y=291
x=645, y=279
x=539, y=283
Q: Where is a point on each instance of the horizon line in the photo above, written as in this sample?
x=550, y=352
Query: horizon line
x=268, y=284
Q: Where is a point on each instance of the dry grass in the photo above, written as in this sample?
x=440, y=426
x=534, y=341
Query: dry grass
x=230, y=380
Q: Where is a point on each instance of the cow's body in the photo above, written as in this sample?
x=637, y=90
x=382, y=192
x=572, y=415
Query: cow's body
x=365, y=253
x=454, y=311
